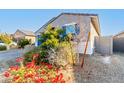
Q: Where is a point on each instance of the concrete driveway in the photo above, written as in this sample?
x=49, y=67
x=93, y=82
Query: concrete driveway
x=7, y=58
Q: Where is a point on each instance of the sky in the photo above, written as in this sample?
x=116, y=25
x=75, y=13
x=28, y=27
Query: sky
x=111, y=21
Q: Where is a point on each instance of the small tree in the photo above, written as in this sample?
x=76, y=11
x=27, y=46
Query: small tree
x=23, y=42
x=51, y=37
x=5, y=38
x=58, y=44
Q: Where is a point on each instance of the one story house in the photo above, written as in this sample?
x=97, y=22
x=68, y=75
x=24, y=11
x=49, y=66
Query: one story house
x=78, y=23
x=118, y=42
x=119, y=35
x=20, y=34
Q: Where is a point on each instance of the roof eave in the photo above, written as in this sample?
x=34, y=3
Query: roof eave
x=95, y=22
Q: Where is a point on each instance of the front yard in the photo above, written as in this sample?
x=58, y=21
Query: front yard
x=97, y=69
x=56, y=61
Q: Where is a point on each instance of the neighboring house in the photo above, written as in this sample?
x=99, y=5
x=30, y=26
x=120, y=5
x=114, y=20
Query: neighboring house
x=78, y=23
x=119, y=35
x=20, y=34
x=118, y=42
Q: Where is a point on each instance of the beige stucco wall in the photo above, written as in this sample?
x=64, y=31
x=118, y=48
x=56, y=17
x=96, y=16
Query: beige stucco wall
x=32, y=38
x=91, y=42
x=93, y=34
x=82, y=21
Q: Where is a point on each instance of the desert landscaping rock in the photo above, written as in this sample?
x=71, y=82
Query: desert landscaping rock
x=98, y=69
x=95, y=70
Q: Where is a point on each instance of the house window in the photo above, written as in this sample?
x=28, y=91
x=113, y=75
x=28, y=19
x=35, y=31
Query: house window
x=71, y=28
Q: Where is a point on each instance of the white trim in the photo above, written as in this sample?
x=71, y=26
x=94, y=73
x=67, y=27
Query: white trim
x=69, y=24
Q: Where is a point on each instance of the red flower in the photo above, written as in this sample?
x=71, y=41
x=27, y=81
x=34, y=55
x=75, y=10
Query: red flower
x=49, y=66
x=29, y=75
x=57, y=70
x=35, y=56
x=14, y=67
x=42, y=63
x=6, y=74
x=16, y=77
x=30, y=65
x=33, y=62
x=40, y=80
x=20, y=59
x=62, y=81
x=55, y=80
x=36, y=75
x=60, y=76
x=43, y=72
x=37, y=67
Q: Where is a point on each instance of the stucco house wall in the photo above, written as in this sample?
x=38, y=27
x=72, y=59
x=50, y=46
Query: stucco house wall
x=32, y=38
x=86, y=26
x=82, y=21
x=94, y=34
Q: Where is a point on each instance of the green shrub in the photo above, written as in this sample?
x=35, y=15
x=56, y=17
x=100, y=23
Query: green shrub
x=23, y=42
x=53, y=40
x=5, y=38
x=2, y=47
x=51, y=37
x=38, y=50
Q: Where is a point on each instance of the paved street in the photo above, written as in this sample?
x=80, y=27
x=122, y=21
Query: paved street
x=7, y=58
x=10, y=54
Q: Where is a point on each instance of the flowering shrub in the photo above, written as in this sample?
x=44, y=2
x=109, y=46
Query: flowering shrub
x=31, y=73
x=43, y=55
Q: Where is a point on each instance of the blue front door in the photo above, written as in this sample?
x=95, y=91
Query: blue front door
x=38, y=41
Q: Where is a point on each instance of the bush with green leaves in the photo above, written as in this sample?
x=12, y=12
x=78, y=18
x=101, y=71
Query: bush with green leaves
x=51, y=37
x=38, y=50
x=23, y=42
x=53, y=41
x=5, y=38
x=2, y=47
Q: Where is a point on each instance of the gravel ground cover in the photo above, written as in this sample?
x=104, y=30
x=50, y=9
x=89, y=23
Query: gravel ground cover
x=100, y=69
